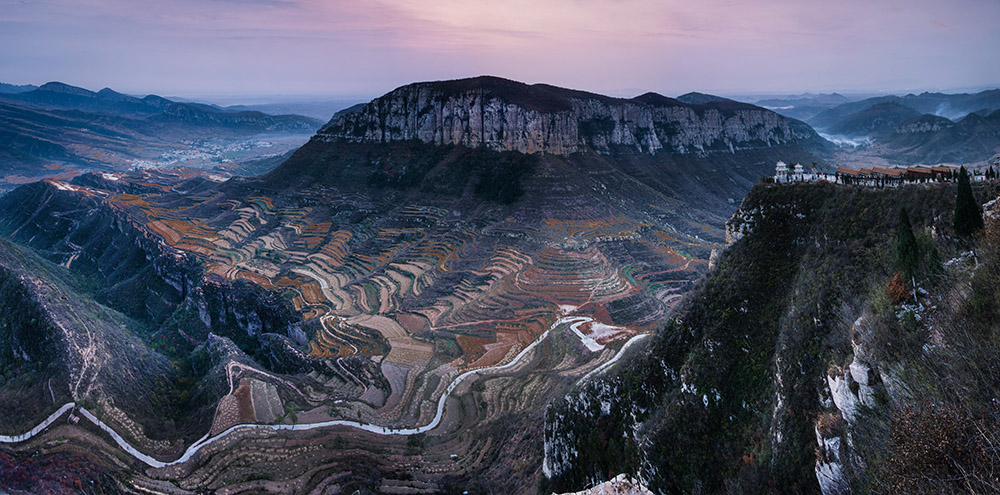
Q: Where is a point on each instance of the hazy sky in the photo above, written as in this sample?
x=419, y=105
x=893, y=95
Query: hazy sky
x=624, y=47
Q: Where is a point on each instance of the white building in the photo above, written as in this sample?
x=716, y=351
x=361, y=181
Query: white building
x=781, y=172
x=799, y=174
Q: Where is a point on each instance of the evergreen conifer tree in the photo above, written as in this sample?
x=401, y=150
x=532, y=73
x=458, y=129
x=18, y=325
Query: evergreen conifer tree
x=968, y=213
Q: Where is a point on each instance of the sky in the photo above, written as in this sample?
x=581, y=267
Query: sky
x=363, y=48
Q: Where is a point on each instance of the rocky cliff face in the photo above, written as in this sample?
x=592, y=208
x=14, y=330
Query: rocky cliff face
x=922, y=124
x=504, y=115
x=134, y=272
x=929, y=139
x=784, y=368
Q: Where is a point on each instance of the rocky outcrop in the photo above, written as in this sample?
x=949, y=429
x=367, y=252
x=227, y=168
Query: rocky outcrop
x=619, y=485
x=829, y=466
x=850, y=390
x=505, y=115
x=749, y=216
x=923, y=124
x=138, y=273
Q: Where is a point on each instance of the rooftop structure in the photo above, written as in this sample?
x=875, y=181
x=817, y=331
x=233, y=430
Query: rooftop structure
x=875, y=176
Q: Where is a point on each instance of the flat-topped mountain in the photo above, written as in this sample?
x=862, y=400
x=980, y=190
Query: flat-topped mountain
x=696, y=98
x=504, y=115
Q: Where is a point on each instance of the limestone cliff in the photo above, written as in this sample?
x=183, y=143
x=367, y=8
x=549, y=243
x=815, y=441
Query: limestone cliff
x=504, y=115
x=789, y=368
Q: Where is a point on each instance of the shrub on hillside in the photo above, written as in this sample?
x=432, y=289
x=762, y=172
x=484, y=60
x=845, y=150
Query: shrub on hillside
x=942, y=449
x=896, y=289
x=981, y=308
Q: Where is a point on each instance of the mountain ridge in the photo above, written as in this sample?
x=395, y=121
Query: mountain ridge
x=62, y=127
x=953, y=106
x=16, y=88
x=878, y=118
x=505, y=115
x=933, y=139
x=59, y=95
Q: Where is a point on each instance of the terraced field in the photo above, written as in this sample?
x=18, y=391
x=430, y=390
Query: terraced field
x=419, y=285
x=398, y=295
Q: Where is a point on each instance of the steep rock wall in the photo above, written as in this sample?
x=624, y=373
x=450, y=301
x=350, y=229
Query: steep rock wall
x=135, y=271
x=557, y=121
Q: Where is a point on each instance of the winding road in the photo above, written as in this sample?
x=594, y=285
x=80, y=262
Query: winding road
x=380, y=430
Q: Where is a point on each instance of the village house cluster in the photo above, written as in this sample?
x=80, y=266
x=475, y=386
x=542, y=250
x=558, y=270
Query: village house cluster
x=876, y=176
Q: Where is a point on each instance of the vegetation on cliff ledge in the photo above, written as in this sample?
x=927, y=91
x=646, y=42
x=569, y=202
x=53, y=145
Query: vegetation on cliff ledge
x=732, y=392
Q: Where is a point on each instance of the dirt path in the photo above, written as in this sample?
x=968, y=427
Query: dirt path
x=380, y=430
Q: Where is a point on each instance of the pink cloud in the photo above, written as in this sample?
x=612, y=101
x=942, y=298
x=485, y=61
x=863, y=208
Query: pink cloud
x=671, y=46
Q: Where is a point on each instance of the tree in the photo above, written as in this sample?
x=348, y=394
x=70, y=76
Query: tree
x=291, y=412
x=968, y=213
x=907, y=253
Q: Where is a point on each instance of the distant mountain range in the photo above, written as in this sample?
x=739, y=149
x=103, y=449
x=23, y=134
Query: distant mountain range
x=803, y=106
x=926, y=128
x=73, y=126
x=695, y=98
x=877, y=119
x=60, y=96
x=932, y=139
x=824, y=99
x=905, y=134
x=321, y=110
x=824, y=110
x=15, y=88
x=952, y=106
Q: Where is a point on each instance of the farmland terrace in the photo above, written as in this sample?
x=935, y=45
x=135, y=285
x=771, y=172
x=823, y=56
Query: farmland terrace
x=422, y=289
x=396, y=294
